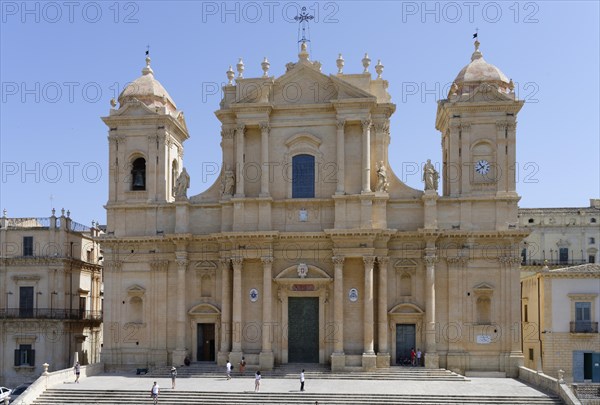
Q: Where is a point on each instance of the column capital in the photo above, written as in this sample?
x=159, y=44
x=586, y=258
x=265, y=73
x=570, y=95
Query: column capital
x=366, y=124
x=338, y=260
x=227, y=133
x=457, y=260
x=266, y=260
x=224, y=261
x=240, y=128
x=369, y=260
x=159, y=265
x=510, y=260
x=341, y=123
x=264, y=126
x=382, y=126
x=111, y=265
x=182, y=263
x=383, y=260
x=430, y=260
x=237, y=262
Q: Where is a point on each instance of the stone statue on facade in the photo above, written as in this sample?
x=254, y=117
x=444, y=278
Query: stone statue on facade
x=182, y=184
x=430, y=176
x=382, y=178
x=227, y=183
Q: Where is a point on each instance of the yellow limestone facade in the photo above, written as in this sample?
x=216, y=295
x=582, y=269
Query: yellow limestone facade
x=309, y=248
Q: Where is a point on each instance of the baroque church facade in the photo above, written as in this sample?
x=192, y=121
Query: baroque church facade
x=309, y=248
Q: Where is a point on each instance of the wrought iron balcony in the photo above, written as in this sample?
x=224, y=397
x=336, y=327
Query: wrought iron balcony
x=51, y=313
x=555, y=262
x=584, y=327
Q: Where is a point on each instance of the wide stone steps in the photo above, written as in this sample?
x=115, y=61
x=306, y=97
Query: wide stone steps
x=66, y=396
x=312, y=371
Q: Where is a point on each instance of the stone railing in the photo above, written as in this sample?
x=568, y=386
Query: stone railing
x=48, y=379
x=588, y=393
x=549, y=384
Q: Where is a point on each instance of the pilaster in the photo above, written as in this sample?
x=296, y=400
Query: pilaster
x=431, y=356
x=225, y=347
x=338, y=358
x=341, y=153
x=366, y=156
x=266, y=355
x=369, y=359
x=383, y=355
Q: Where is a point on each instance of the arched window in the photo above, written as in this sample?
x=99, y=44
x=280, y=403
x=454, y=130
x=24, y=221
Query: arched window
x=138, y=174
x=303, y=176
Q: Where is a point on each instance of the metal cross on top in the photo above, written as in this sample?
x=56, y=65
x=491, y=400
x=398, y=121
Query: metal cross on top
x=303, y=18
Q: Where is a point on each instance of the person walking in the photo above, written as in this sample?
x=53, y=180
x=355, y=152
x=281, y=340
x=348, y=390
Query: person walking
x=154, y=391
x=257, y=381
x=173, y=376
x=302, y=380
x=228, y=366
x=77, y=370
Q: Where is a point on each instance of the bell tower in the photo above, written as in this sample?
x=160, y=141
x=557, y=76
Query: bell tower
x=478, y=125
x=146, y=135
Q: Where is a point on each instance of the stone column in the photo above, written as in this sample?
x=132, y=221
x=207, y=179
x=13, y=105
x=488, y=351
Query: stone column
x=264, y=156
x=179, y=352
x=225, y=312
x=239, y=161
x=236, y=314
x=340, y=148
x=431, y=356
x=369, y=360
x=516, y=358
x=338, y=358
x=366, y=156
x=383, y=355
x=266, y=355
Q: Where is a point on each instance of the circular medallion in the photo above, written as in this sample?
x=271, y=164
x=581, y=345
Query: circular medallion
x=353, y=295
x=254, y=295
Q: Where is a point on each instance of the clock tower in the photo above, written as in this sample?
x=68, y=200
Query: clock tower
x=478, y=126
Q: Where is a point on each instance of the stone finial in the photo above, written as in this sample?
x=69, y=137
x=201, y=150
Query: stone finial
x=265, y=65
x=62, y=212
x=561, y=376
x=68, y=213
x=240, y=68
x=4, y=212
x=303, y=55
x=113, y=102
x=511, y=86
x=477, y=54
x=230, y=75
x=45, y=365
x=147, y=70
x=379, y=69
x=340, y=64
x=366, y=61
x=53, y=212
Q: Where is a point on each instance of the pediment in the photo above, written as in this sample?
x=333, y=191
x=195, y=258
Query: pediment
x=136, y=290
x=295, y=272
x=134, y=108
x=206, y=264
x=406, y=308
x=405, y=263
x=483, y=289
x=487, y=92
x=204, y=309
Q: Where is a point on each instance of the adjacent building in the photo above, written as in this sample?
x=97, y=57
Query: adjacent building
x=51, y=295
x=560, y=237
x=309, y=248
x=561, y=311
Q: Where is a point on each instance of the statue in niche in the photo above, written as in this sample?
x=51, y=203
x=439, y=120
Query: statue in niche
x=182, y=184
x=227, y=182
x=382, y=178
x=430, y=176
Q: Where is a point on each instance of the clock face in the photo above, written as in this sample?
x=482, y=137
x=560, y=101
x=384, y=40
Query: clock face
x=482, y=166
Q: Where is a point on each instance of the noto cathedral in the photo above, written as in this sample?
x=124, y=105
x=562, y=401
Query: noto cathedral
x=309, y=248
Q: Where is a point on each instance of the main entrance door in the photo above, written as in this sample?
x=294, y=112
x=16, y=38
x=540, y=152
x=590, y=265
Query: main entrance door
x=303, y=330
x=405, y=340
x=205, y=351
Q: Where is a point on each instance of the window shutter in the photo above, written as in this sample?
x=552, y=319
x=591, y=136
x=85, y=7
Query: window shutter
x=577, y=366
x=17, y=357
x=31, y=356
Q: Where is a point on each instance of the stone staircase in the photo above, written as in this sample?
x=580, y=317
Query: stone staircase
x=312, y=371
x=110, y=397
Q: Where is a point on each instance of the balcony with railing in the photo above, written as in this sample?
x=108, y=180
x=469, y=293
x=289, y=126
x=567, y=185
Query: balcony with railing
x=51, y=313
x=584, y=327
x=556, y=262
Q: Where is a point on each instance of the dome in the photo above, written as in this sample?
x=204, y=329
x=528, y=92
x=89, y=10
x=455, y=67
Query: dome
x=147, y=90
x=479, y=71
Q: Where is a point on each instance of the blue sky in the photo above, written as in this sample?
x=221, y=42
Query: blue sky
x=61, y=62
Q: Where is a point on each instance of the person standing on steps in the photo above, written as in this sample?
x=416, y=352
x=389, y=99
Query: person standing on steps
x=302, y=380
x=77, y=370
x=257, y=381
x=228, y=366
x=173, y=376
x=154, y=391
x=419, y=355
x=413, y=356
x=242, y=365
